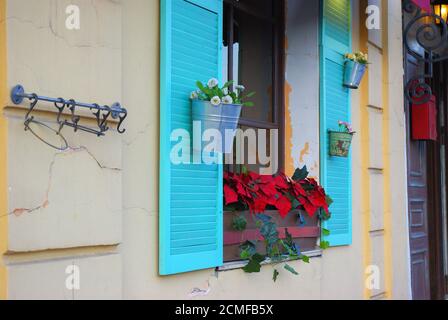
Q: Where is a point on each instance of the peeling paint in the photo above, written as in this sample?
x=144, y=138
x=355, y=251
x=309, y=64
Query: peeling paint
x=289, y=159
x=302, y=86
x=305, y=151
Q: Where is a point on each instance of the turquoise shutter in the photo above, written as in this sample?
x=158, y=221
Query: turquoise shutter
x=190, y=221
x=334, y=106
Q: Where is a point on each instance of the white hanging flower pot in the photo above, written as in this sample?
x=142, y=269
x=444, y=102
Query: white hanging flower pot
x=222, y=117
x=229, y=122
x=219, y=108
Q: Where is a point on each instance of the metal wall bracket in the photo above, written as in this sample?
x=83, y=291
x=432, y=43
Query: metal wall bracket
x=429, y=31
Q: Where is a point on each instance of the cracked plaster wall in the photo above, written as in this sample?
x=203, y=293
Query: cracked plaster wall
x=60, y=200
x=105, y=191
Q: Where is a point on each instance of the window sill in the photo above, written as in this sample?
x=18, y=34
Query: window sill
x=228, y=266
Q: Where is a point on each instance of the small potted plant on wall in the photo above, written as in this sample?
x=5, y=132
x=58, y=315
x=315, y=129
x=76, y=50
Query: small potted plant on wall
x=219, y=108
x=341, y=140
x=355, y=67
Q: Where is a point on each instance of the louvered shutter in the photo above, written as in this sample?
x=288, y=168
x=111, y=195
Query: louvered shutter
x=335, y=105
x=190, y=221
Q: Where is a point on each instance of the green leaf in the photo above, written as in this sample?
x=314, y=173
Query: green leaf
x=248, y=104
x=291, y=269
x=208, y=92
x=251, y=94
x=324, y=245
x=295, y=203
x=275, y=275
x=288, y=237
x=300, y=174
x=228, y=83
x=325, y=232
x=252, y=267
x=200, y=86
x=291, y=250
x=254, y=264
x=289, y=245
x=323, y=215
x=248, y=249
x=239, y=223
x=269, y=232
x=258, y=257
x=305, y=259
x=245, y=254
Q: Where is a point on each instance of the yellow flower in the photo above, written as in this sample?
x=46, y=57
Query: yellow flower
x=350, y=56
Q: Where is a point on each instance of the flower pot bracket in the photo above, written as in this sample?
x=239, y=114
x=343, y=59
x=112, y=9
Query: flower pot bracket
x=101, y=113
x=426, y=32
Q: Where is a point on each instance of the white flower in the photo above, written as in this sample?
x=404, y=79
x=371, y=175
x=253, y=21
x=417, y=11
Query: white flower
x=213, y=82
x=225, y=91
x=216, y=101
x=193, y=95
x=227, y=100
x=240, y=87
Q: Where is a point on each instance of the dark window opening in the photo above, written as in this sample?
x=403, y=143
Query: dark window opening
x=253, y=55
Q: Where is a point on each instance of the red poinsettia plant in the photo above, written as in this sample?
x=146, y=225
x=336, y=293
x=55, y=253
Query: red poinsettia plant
x=258, y=193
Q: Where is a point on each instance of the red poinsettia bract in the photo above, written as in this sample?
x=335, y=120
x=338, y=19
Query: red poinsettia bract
x=258, y=192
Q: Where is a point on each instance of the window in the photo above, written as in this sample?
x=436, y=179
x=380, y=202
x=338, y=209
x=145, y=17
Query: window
x=191, y=217
x=253, y=55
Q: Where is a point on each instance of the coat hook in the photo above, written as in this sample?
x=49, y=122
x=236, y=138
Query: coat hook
x=102, y=113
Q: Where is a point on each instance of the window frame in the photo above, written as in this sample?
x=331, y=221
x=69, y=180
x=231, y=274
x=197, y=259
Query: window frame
x=279, y=101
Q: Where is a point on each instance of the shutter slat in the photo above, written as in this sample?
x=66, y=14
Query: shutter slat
x=335, y=106
x=177, y=244
x=189, y=226
x=195, y=249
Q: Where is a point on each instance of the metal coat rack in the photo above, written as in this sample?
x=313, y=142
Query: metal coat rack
x=101, y=113
x=430, y=32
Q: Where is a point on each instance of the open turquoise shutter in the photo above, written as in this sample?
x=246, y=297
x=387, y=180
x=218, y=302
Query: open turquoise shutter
x=190, y=221
x=334, y=106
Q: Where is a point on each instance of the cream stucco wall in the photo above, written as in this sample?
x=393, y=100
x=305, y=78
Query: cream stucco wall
x=302, y=92
x=98, y=202
x=71, y=199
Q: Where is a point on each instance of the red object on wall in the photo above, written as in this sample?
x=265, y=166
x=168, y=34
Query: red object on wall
x=424, y=120
x=424, y=4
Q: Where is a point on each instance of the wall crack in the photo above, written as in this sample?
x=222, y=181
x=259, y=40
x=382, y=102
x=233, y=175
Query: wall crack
x=45, y=203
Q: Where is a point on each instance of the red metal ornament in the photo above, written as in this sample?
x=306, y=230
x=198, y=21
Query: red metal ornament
x=424, y=120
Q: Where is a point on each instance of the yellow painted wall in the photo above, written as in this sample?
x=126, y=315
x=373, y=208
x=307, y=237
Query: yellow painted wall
x=386, y=155
x=384, y=244
x=365, y=153
x=3, y=164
